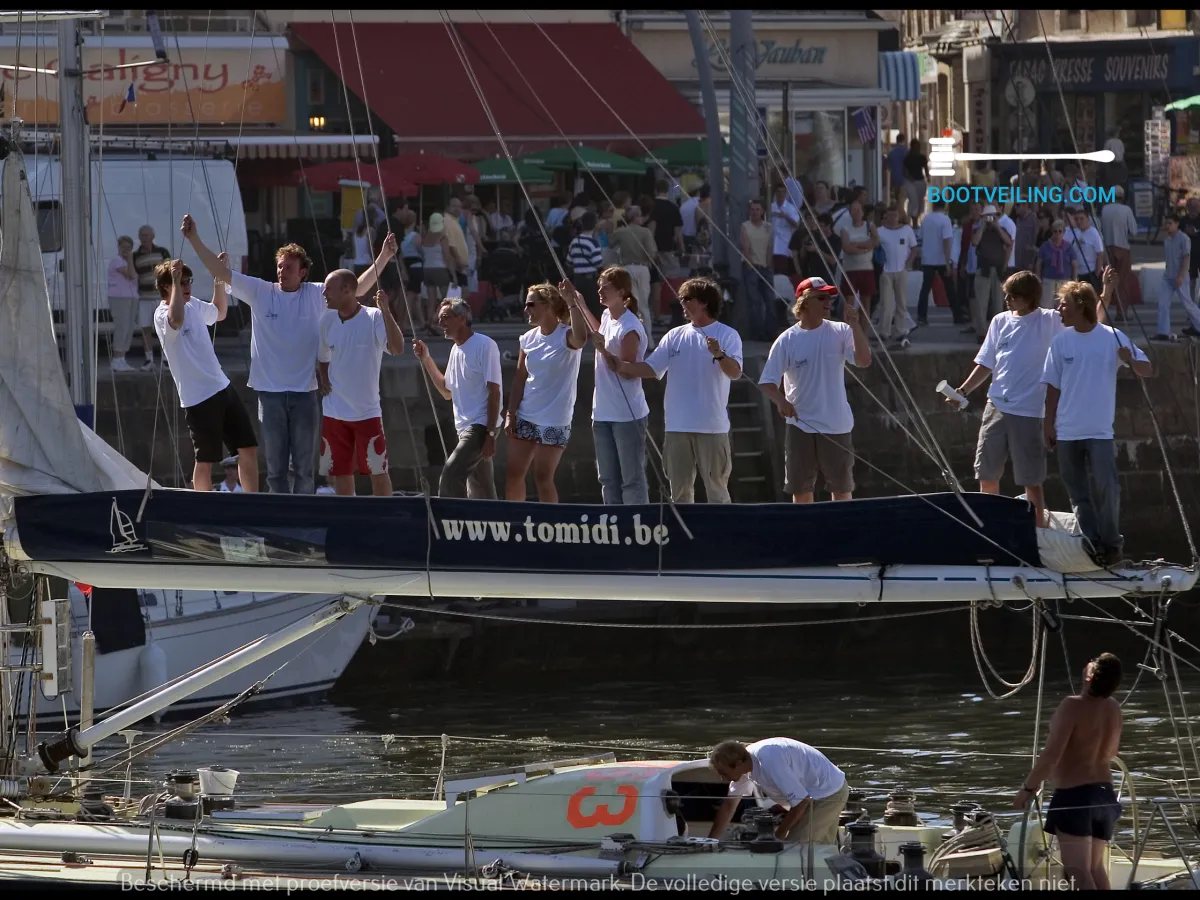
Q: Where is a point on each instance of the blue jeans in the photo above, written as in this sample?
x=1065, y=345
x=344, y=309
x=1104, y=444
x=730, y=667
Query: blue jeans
x=291, y=422
x=759, y=282
x=621, y=461
x=1089, y=470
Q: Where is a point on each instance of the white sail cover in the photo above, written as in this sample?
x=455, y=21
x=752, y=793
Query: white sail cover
x=44, y=448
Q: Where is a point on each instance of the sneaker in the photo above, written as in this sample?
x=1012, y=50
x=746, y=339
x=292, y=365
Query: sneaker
x=904, y=343
x=149, y=363
x=1165, y=338
x=118, y=364
x=923, y=323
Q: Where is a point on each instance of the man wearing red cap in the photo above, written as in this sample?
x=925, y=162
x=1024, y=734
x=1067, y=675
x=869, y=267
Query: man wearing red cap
x=804, y=378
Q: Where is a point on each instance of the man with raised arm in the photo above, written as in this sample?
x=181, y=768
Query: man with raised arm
x=212, y=409
x=1085, y=734
x=353, y=339
x=472, y=384
x=285, y=333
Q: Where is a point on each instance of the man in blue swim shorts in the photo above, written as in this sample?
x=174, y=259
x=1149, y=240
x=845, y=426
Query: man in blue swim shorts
x=1085, y=734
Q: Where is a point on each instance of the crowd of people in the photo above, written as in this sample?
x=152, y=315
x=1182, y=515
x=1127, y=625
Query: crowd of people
x=317, y=350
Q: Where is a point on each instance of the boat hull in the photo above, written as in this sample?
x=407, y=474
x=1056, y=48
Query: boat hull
x=193, y=641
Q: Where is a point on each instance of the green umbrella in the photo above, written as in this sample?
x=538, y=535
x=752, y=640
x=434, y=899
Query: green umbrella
x=1185, y=103
x=684, y=154
x=589, y=159
x=498, y=171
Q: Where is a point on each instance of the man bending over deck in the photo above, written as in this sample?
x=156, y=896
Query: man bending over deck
x=285, y=333
x=1085, y=733
x=212, y=409
x=796, y=776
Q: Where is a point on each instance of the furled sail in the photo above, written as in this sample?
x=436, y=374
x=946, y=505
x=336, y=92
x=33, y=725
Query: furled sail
x=44, y=448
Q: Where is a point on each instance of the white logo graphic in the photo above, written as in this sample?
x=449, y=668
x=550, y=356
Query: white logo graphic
x=377, y=463
x=943, y=156
x=124, y=535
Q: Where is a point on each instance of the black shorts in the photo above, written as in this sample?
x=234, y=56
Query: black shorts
x=221, y=417
x=1089, y=810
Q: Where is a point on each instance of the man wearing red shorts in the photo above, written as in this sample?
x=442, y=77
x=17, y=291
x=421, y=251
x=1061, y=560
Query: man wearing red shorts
x=353, y=340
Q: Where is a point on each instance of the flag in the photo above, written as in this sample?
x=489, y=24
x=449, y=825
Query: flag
x=130, y=97
x=864, y=121
x=85, y=589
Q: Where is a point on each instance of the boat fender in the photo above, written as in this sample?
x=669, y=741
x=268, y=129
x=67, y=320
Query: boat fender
x=152, y=667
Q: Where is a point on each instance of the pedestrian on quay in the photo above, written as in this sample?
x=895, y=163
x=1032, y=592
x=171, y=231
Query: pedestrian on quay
x=758, y=278
x=1056, y=264
x=899, y=245
x=541, y=401
x=212, y=409
x=122, y=303
x=1088, y=245
x=859, y=240
x=937, y=232
x=146, y=259
x=637, y=253
x=1177, y=249
x=1118, y=226
x=472, y=383
x=1081, y=397
x=285, y=336
x=620, y=413
x=785, y=219
x=703, y=356
x=993, y=246
x=804, y=377
x=584, y=258
x=231, y=483
x=349, y=357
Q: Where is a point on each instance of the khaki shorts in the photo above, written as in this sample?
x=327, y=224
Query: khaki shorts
x=1003, y=437
x=805, y=454
x=820, y=824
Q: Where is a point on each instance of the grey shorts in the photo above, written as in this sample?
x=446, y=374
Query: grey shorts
x=805, y=454
x=1003, y=437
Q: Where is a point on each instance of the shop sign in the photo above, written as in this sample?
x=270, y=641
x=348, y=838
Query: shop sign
x=200, y=84
x=980, y=120
x=929, y=68
x=1108, y=71
x=770, y=55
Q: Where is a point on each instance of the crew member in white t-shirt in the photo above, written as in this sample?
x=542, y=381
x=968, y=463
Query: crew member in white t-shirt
x=1081, y=398
x=212, y=409
x=899, y=245
x=937, y=233
x=620, y=413
x=703, y=358
x=1013, y=354
x=541, y=401
x=230, y=484
x=285, y=317
x=353, y=339
x=796, y=776
x=804, y=377
x=472, y=385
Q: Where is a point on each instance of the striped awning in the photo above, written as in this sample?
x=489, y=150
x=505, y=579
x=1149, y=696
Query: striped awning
x=900, y=74
x=306, y=147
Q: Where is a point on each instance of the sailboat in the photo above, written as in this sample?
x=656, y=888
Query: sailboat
x=72, y=508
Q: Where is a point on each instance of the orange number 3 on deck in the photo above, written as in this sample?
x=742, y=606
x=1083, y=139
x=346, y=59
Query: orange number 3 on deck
x=602, y=814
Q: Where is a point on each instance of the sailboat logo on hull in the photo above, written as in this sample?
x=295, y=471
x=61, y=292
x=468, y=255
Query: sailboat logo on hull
x=124, y=535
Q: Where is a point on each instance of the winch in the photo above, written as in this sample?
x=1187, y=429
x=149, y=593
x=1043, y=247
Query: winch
x=764, y=822
x=854, y=809
x=862, y=848
x=914, y=873
x=900, y=809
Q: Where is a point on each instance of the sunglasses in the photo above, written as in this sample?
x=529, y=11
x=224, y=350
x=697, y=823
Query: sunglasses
x=186, y=282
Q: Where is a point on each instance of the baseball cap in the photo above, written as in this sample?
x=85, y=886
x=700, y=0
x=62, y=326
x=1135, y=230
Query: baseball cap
x=814, y=284
x=229, y=461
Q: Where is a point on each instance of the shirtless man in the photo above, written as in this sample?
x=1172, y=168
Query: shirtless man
x=1084, y=735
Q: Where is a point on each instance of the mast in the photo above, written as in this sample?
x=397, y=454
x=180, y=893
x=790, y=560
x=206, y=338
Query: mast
x=712, y=122
x=76, y=221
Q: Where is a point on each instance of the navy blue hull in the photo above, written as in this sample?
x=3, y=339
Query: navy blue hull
x=190, y=528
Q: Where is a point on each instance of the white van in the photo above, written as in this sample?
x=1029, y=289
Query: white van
x=137, y=191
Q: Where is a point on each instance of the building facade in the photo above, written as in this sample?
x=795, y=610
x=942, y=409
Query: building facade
x=814, y=71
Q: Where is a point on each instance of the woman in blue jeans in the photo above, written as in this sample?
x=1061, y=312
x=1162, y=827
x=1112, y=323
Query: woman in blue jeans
x=619, y=409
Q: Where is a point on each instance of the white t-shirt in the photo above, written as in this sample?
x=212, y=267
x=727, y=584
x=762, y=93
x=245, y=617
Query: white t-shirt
x=897, y=243
x=788, y=772
x=811, y=364
x=1015, y=350
x=471, y=368
x=284, y=333
x=782, y=228
x=935, y=228
x=687, y=212
x=553, y=367
x=697, y=394
x=189, y=352
x=1084, y=366
x=618, y=399
x=354, y=349
x=225, y=489
x=1010, y=228
x=1086, y=245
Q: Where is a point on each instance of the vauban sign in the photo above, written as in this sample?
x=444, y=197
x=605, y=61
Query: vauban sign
x=770, y=54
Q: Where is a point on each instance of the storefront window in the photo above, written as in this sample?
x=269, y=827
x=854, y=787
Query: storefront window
x=820, y=146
